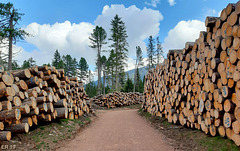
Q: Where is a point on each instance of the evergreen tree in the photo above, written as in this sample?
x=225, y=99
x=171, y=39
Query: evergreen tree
x=83, y=69
x=110, y=69
x=57, y=60
x=74, y=66
x=119, y=46
x=15, y=66
x=138, y=63
x=32, y=62
x=28, y=63
x=25, y=64
x=151, y=52
x=104, y=68
x=128, y=85
x=10, y=17
x=70, y=65
x=91, y=89
x=97, y=40
x=159, y=51
x=138, y=80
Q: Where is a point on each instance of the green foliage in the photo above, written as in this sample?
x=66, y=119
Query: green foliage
x=159, y=51
x=15, y=66
x=57, y=60
x=91, y=89
x=128, y=85
x=119, y=46
x=83, y=69
x=110, y=74
x=10, y=17
x=70, y=65
x=97, y=39
x=139, y=62
x=28, y=63
x=138, y=81
x=104, y=68
x=7, y=11
x=151, y=52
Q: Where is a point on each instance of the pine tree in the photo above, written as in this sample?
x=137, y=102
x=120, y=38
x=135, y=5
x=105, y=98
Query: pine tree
x=28, y=63
x=128, y=85
x=32, y=62
x=159, y=51
x=138, y=63
x=104, y=68
x=119, y=46
x=10, y=17
x=15, y=65
x=57, y=60
x=151, y=52
x=25, y=64
x=83, y=69
x=97, y=40
x=110, y=76
x=70, y=65
x=138, y=80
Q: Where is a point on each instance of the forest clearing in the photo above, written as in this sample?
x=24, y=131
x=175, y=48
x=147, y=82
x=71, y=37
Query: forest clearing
x=161, y=98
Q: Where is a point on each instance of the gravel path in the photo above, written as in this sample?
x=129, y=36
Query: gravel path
x=118, y=130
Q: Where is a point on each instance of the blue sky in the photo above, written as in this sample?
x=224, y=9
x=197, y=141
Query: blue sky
x=163, y=18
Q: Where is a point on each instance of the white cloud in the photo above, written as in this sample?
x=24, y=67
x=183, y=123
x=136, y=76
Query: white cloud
x=132, y=62
x=71, y=38
x=184, y=31
x=68, y=38
x=219, y=13
x=140, y=24
x=153, y=3
x=171, y=2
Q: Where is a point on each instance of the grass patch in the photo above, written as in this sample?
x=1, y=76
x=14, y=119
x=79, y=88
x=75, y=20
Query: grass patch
x=189, y=139
x=50, y=135
x=136, y=106
x=41, y=127
x=218, y=143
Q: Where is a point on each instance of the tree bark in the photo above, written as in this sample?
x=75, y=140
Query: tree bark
x=104, y=76
x=10, y=42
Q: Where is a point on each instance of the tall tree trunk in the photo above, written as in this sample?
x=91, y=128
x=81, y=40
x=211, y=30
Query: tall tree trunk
x=99, y=74
x=135, y=74
x=103, y=82
x=10, y=42
x=116, y=70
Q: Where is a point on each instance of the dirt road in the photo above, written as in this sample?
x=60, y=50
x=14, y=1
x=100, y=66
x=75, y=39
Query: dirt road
x=118, y=130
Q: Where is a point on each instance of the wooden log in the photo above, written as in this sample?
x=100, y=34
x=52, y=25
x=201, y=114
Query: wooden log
x=18, y=128
x=62, y=112
x=10, y=115
x=22, y=74
x=27, y=120
x=5, y=135
x=7, y=91
x=222, y=131
x=22, y=85
x=228, y=119
x=210, y=21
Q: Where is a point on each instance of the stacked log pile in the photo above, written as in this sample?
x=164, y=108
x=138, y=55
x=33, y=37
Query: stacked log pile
x=118, y=99
x=199, y=86
x=38, y=94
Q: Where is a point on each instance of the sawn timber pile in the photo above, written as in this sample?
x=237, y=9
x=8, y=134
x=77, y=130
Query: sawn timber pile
x=38, y=94
x=199, y=86
x=118, y=99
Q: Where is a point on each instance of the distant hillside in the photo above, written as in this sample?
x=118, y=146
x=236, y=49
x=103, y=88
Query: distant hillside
x=142, y=71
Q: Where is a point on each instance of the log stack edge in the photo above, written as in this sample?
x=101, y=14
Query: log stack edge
x=199, y=85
